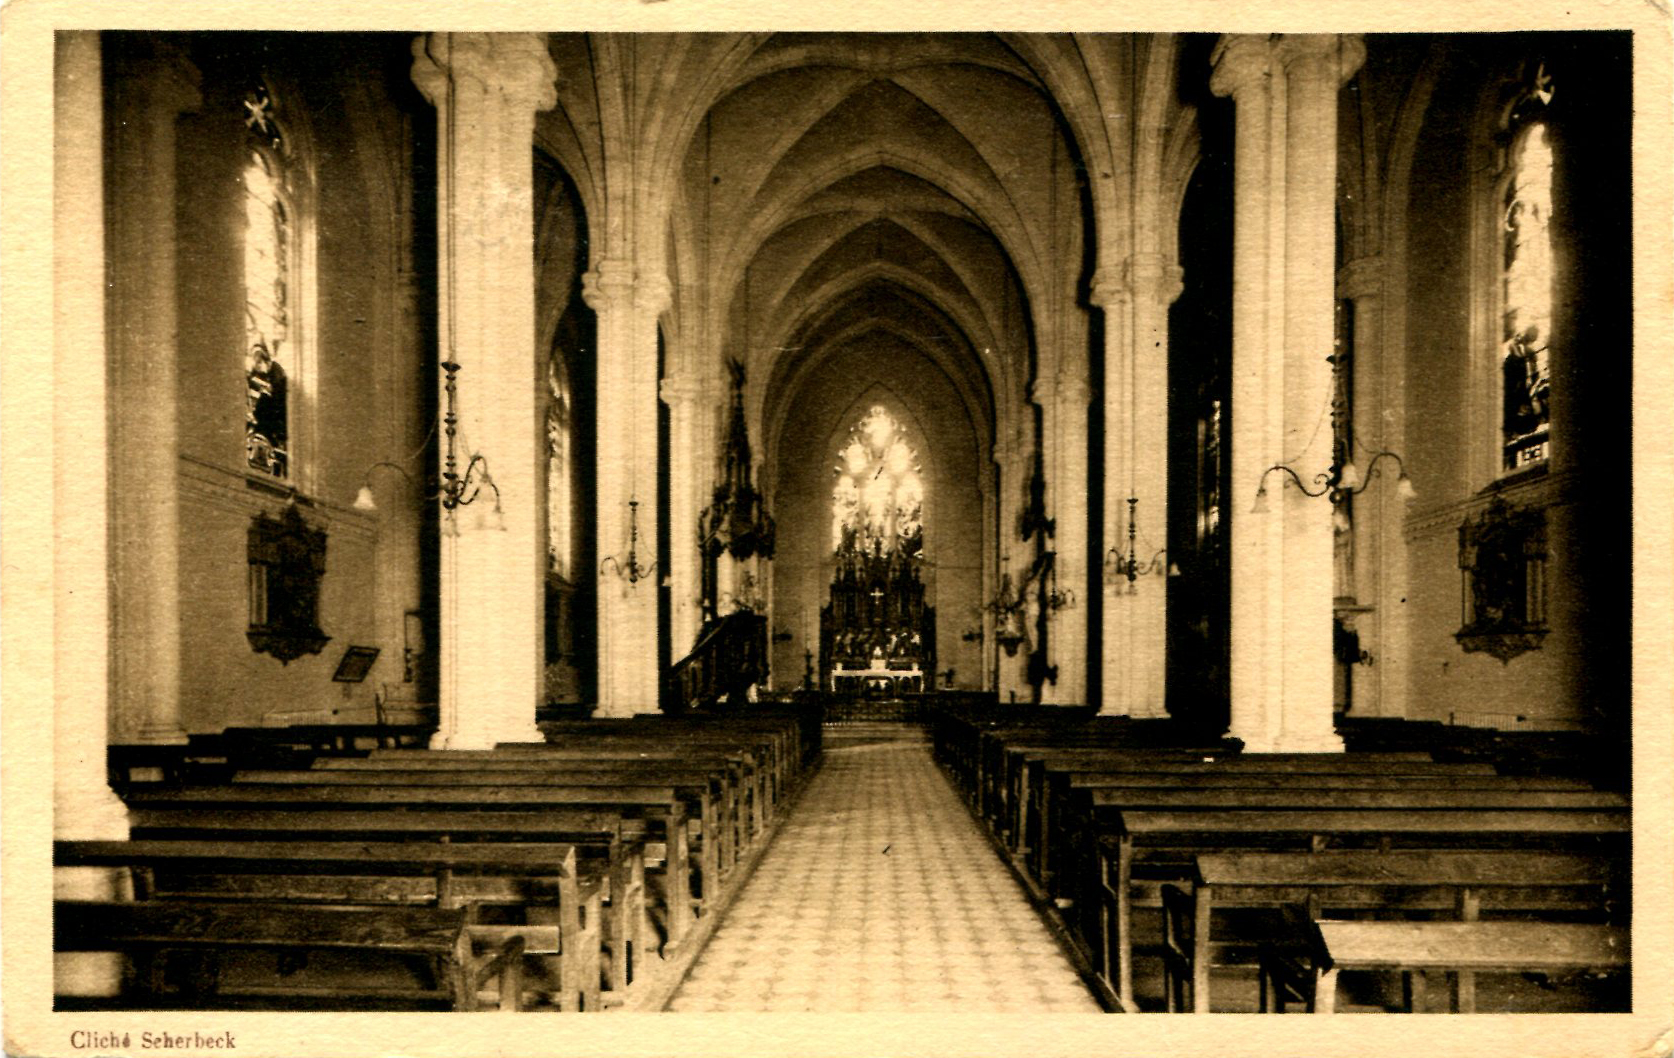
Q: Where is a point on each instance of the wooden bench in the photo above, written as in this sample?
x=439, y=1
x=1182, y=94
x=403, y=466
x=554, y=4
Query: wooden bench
x=739, y=799
x=1058, y=784
x=656, y=806
x=148, y=930
x=1465, y=882
x=1066, y=798
x=604, y=846
x=766, y=764
x=558, y=902
x=1308, y=972
x=1176, y=836
x=710, y=800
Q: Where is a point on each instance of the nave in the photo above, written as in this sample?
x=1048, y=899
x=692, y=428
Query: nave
x=881, y=894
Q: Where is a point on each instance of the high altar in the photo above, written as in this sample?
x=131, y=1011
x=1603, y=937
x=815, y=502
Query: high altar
x=876, y=635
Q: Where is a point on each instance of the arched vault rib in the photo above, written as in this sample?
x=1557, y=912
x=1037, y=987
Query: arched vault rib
x=973, y=373
x=1007, y=226
x=784, y=385
x=897, y=52
x=831, y=298
x=816, y=250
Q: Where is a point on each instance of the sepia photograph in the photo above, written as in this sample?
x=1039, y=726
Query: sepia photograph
x=740, y=533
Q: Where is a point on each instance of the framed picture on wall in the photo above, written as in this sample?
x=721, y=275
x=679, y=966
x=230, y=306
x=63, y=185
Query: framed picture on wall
x=356, y=663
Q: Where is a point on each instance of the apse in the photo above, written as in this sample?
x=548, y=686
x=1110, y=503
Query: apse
x=879, y=369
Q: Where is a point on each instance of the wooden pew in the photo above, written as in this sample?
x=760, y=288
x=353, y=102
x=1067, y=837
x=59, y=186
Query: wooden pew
x=771, y=756
x=1062, y=793
x=1465, y=882
x=559, y=904
x=1055, y=781
x=1179, y=834
x=708, y=796
x=585, y=815
x=740, y=787
x=660, y=806
x=775, y=742
x=145, y=930
x=1459, y=948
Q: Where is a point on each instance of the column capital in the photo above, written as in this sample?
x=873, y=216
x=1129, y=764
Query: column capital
x=1109, y=289
x=1072, y=391
x=608, y=284
x=1332, y=56
x=684, y=389
x=1043, y=391
x=1361, y=277
x=517, y=65
x=1153, y=278
x=653, y=293
x=1240, y=62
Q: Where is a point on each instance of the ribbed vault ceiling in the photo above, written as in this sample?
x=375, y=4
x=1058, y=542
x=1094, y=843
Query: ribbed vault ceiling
x=912, y=186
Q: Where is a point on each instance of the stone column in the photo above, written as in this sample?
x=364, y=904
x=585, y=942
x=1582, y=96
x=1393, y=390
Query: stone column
x=1136, y=467
x=156, y=86
x=1378, y=573
x=691, y=481
x=990, y=581
x=1065, y=399
x=1283, y=245
x=1013, y=561
x=487, y=88
x=83, y=804
x=628, y=305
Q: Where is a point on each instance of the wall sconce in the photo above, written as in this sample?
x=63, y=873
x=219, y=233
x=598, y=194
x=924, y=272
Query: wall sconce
x=1118, y=565
x=363, y=498
x=629, y=568
x=1342, y=479
x=460, y=490
x=1008, y=616
x=457, y=490
x=1059, y=599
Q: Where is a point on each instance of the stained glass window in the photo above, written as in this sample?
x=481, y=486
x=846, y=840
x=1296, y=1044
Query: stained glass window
x=877, y=503
x=268, y=238
x=1526, y=284
x=558, y=455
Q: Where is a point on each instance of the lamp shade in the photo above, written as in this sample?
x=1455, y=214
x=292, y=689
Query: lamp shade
x=363, y=499
x=1349, y=476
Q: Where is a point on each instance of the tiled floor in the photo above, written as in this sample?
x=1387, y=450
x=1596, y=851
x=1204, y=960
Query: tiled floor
x=881, y=894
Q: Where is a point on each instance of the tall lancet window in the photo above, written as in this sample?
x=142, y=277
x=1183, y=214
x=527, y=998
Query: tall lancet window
x=558, y=457
x=1526, y=282
x=269, y=238
x=877, y=503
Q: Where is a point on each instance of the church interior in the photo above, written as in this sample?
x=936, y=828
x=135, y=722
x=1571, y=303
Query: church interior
x=817, y=521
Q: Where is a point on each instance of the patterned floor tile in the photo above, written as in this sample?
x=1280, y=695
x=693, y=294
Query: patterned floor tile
x=881, y=894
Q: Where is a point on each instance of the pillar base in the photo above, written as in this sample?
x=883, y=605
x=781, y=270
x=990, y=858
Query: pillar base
x=1328, y=742
x=480, y=739
x=94, y=814
x=1143, y=711
x=161, y=734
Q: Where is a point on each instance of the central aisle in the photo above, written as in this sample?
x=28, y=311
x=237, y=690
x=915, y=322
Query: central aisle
x=881, y=894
